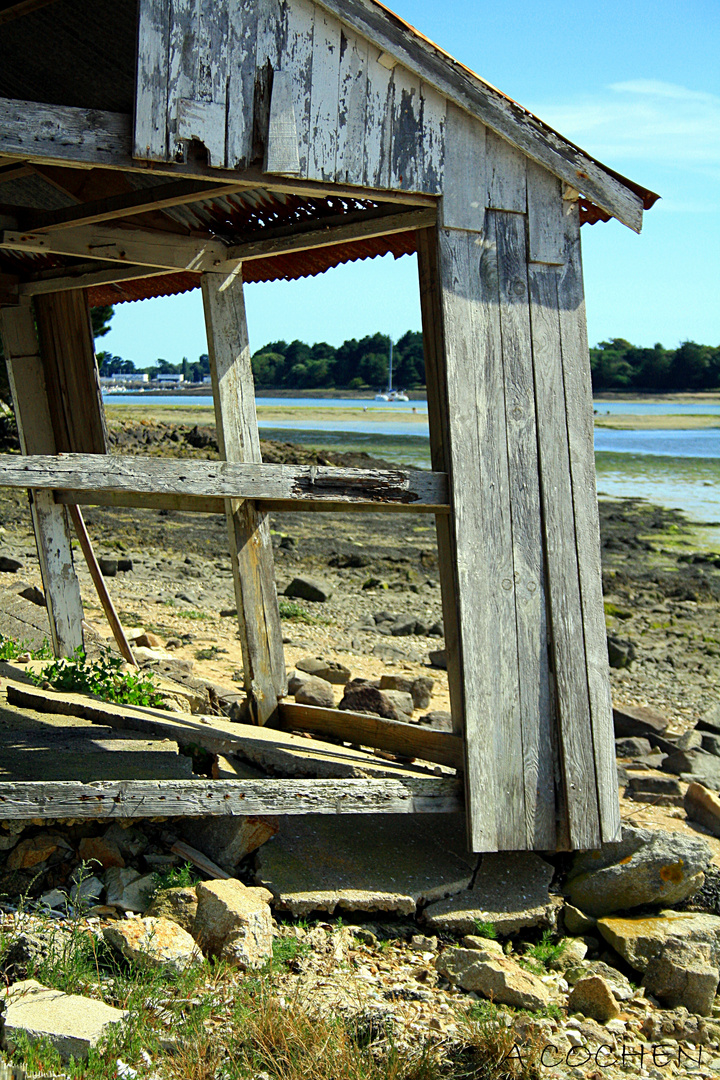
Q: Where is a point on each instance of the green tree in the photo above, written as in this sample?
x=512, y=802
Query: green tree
x=100, y=318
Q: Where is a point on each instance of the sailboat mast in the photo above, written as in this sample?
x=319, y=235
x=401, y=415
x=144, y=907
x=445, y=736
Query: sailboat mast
x=390, y=369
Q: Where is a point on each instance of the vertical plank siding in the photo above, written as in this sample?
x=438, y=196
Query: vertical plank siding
x=324, y=101
x=463, y=204
x=352, y=108
x=506, y=175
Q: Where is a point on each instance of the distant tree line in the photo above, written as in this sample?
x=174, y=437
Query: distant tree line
x=354, y=365
x=618, y=365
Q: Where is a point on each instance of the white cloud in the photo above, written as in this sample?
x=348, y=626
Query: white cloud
x=643, y=119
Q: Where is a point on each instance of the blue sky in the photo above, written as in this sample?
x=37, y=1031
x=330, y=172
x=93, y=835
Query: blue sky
x=634, y=83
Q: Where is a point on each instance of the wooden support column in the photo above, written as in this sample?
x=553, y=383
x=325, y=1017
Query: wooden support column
x=248, y=527
x=50, y=523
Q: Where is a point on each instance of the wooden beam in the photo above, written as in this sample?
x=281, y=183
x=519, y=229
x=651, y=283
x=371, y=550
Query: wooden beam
x=15, y=172
x=50, y=524
x=405, y=740
x=226, y=798
x=162, y=197
x=9, y=292
x=197, y=504
x=83, y=277
x=21, y=8
x=298, y=484
x=185, y=253
x=248, y=527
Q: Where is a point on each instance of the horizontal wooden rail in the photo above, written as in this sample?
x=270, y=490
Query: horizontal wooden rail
x=405, y=740
x=298, y=485
x=196, y=798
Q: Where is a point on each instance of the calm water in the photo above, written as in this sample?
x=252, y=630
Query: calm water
x=674, y=468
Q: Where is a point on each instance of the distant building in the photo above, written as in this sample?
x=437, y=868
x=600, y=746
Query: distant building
x=169, y=380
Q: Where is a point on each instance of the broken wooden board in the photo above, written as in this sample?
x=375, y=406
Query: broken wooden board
x=201, y=798
x=277, y=752
x=405, y=740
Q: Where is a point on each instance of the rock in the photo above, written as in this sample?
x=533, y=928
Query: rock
x=642, y=938
x=621, y=652
x=420, y=943
x=315, y=691
x=697, y=764
x=710, y=720
x=593, y=997
x=127, y=890
x=295, y=680
x=403, y=627
x=710, y=743
x=129, y=840
x=482, y=944
x=125, y=565
x=660, y=790
x=390, y=704
x=149, y=641
x=498, y=978
x=576, y=921
x=34, y=595
x=101, y=852
x=233, y=923
x=690, y=740
x=643, y=867
x=438, y=659
x=620, y=985
x=26, y=950
x=108, y=567
x=638, y=720
x=71, y=1023
x=438, y=719
x=157, y=942
x=86, y=892
x=676, y=1025
x=32, y=852
x=227, y=840
x=388, y=653
x=330, y=670
x=573, y=951
x=177, y=904
x=305, y=589
x=420, y=688
x=8, y=565
x=703, y=806
x=682, y=975
x=510, y=891
x=365, y=862
x=632, y=747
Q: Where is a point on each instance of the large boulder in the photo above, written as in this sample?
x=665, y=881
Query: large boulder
x=234, y=923
x=156, y=942
x=643, y=867
x=361, y=696
x=178, y=904
x=493, y=976
x=593, y=997
x=642, y=938
x=683, y=975
x=703, y=806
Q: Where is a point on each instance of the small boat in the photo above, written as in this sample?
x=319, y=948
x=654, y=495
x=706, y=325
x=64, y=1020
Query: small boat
x=390, y=394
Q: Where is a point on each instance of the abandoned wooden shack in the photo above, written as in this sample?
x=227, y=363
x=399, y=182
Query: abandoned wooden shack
x=151, y=147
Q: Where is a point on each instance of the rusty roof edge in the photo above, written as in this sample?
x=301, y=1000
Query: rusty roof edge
x=350, y=7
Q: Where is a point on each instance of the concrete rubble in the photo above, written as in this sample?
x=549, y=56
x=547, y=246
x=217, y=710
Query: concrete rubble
x=71, y=1023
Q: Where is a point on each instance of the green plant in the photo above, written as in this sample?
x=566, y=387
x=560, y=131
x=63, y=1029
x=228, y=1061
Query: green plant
x=103, y=677
x=11, y=649
x=294, y=612
x=485, y=929
x=544, y=952
x=175, y=877
x=209, y=653
x=287, y=951
x=190, y=614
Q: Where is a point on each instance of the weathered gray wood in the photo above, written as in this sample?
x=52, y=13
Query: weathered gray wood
x=507, y=233
x=352, y=108
x=406, y=740
x=406, y=164
x=463, y=203
x=283, y=153
x=566, y=617
x=30, y=129
x=506, y=169
x=181, y=62
x=578, y=392
x=228, y=479
x=50, y=524
x=83, y=277
x=248, y=528
x=203, y=122
x=227, y=798
x=150, y=135
x=434, y=118
x=546, y=207
x=296, y=56
x=491, y=107
x=243, y=22
x=211, y=505
x=378, y=130
x=324, y=94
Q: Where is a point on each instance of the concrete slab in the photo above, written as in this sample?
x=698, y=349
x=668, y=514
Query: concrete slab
x=22, y=620
x=71, y=1023
x=510, y=891
x=373, y=862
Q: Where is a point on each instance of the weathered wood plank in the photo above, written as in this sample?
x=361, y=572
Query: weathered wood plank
x=244, y=17
x=199, y=798
x=434, y=112
x=296, y=57
x=51, y=133
x=578, y=392
x=378, y=130
x=506, y=175
x=483, y=540
x=507, y=233
x=324, y=97
x=406, y=740
x=463, y=202
x=151, y=134
x=546, y=234
x=50, y=524
x=283, y=149
x=50, y=282
x=566, y=624
x=227, y=479
x=491, y=107
x=352, y=108
x=212, y=46
x=202, y=122
x=210, y=505
x=406, y=165
x=248, y=528
x=181, y=64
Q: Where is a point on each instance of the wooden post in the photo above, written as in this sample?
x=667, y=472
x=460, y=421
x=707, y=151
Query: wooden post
x=248, y=527
x=50, y=523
